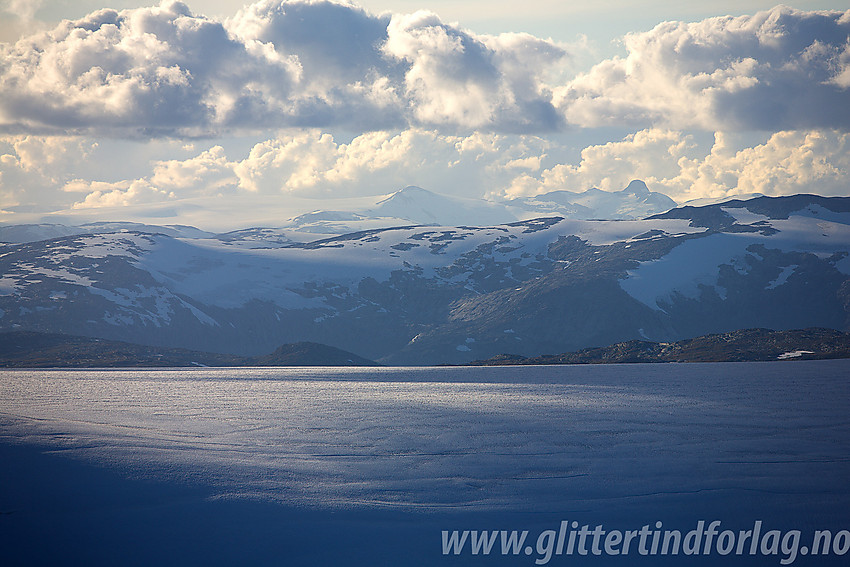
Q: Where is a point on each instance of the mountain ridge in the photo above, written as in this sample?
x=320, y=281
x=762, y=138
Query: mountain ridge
x=635, y=201
x=744, y=345
x=451, y=294
x=409, y=205
x=25, y=349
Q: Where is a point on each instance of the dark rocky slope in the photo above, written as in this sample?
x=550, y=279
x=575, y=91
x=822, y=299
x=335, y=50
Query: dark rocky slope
x=737, y=346
x=23, y=349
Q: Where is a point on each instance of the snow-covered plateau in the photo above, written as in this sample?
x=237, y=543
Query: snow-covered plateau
x=423, y=294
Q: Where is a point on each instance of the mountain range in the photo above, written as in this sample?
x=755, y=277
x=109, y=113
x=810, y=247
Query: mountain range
x=414, y=205
x=417, y=294
x=408, y=206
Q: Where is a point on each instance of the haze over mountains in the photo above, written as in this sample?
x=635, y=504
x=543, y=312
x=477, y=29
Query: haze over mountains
x=437, y=294
x=408, y=206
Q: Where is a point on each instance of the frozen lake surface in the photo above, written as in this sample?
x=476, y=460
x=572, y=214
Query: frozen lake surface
x=294, y=466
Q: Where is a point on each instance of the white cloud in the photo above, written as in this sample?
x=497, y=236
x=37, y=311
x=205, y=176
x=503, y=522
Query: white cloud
x=325, y=99
x=787, y=163
x=164, y=71
x=841, y=76
x=672, y=162
x=52, y=173
x=298, y=163
x=314, y=163
x=456, y=78
x=648, y=155
x=33, y=167
x=776, y=70
x=23, y=9
x=208, y=172
x=121, y=194
x=285, y=165
x=299, y=170
x=138, y=72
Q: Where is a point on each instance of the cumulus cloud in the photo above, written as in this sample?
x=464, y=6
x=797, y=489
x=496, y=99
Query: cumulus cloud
x=18, y=18
x=335, y=43
x=313, y=163
x=298, y=163
x=147, y=71
x=300, y=167
x=776, y=70
x=209, y=172
x=22, y=9
x=344, y=79
x=33, y=167
x=120, y=194
x=649, y=155
x=672, y=162
x=163, y=71
x=350, y=103
x=457, y=78
x=787, y=163
x=277, y=63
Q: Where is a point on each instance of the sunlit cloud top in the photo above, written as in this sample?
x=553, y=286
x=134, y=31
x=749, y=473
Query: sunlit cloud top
x=281, y=107
x=165, y=71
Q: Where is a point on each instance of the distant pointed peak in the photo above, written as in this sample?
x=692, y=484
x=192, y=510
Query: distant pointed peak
x=408, y=191
x=636, y=187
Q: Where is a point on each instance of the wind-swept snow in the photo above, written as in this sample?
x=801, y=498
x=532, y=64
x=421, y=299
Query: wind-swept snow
x=378, y=461
x=548, y=438
x=690, y=265
x=697, y=262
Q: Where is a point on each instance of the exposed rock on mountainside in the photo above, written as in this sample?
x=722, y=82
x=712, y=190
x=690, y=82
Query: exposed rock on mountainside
x=430, y=295
x=634, y=202
x=23, y=349
x=737, y=346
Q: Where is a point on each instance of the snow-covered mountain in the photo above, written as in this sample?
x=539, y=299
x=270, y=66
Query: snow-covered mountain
x=426, y=207
x=426, y=294
x=415, y=205
x=21, y=233
x=636, y=201
x=704, y=201
x=408, y=206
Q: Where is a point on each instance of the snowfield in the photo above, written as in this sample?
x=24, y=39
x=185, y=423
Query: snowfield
x=248, y=463
x=561, y=284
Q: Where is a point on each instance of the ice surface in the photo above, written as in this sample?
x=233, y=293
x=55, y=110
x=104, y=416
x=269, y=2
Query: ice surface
x=438, y=437
x=601, y=233
x=380, y=460
x=61, y=274
x=103, y=245
x=822, y=237
x=263, y=265
x=697, y=262
x=744, y=215
x=689, y=265
x=8, y=285
x=786, y=273
x=819, y=212
x=793, y=354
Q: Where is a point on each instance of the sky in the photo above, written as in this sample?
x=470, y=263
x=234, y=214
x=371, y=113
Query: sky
x=225, y=116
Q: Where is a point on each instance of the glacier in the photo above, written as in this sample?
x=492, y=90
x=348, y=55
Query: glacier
x=320, y=466
x=411, y=294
